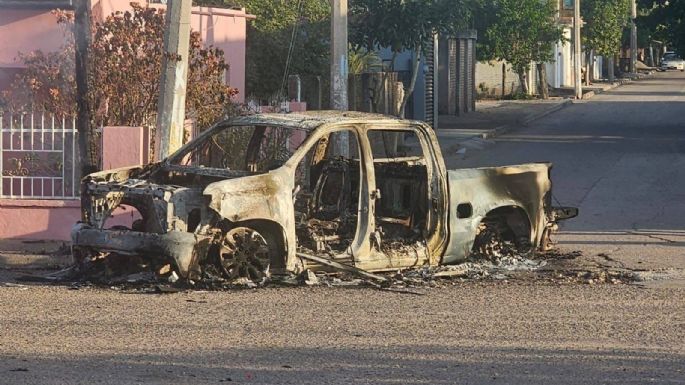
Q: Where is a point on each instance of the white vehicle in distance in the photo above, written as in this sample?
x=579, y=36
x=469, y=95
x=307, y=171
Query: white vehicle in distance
x=672, y=61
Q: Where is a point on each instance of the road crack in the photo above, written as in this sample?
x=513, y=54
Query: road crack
x=652, y=237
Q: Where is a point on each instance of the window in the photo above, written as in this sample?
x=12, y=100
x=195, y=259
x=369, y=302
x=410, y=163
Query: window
x=401, y=176
x=255, y=149
x=394, y=144
x=324, y=151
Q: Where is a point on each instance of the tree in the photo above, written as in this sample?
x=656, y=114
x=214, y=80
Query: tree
x=605, y=21
x=287, y=37
x=404, y=25
x=664, y=21
x=125, y=54
x=360, y=61
x=523, y=32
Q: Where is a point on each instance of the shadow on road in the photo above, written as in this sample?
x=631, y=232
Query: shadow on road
x=411, y=364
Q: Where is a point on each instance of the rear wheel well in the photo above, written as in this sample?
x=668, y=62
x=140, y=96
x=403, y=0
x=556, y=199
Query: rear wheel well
x=512, y=223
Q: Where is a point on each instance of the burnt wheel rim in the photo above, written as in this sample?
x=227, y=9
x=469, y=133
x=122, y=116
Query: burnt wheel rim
x=244, y=253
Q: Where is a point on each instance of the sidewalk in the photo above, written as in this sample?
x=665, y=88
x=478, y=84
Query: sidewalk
x=496, y=117
x=28, y=255
x=492, y=118
x=602, y=86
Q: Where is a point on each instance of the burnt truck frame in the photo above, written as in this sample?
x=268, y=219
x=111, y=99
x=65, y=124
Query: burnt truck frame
x=390, y=204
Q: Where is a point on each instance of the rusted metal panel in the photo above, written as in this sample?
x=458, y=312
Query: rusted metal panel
x=182, y=247
x=486, y=189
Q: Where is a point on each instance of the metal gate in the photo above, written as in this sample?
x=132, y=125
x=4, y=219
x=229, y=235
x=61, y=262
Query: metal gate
x=466, y=70
x=431, y=81
x=457, y=73
x=38, y=157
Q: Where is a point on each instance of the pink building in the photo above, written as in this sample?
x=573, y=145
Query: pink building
x=39, y=201
x=28, y=25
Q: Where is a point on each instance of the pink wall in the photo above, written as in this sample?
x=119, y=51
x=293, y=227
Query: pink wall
x=38, y=219
x=50, y=219
x=24, y=30
x=29, y=30
x=122, y=147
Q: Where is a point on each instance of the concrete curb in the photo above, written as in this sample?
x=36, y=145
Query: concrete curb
x=527, y=120
x=616, y=84
x=591, y=94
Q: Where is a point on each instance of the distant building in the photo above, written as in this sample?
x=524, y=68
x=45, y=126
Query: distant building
x=560, y=71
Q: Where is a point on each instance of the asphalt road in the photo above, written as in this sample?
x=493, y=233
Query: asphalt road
x=471, y=333
x=619, y=157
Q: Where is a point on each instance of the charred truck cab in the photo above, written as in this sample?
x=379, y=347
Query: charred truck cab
x=254, y=195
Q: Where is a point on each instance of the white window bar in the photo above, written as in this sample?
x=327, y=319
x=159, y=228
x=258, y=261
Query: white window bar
x=21, y=131
x=73, y=157
x=11, y=134
x=32, y=146
x=52, y=134
x=42, y=130
x=64, y=152
x=2, y=147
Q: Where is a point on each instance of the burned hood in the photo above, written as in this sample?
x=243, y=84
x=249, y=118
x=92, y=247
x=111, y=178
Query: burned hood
x=120, y=175
x=263, y=196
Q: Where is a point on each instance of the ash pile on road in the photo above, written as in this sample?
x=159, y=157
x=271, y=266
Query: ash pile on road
x=137, y=274
x=562, y=268
x=502, y=263
x=140, y=274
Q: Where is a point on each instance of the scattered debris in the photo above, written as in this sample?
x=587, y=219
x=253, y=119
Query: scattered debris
x=173, y=277
x=555, y=254
x=310, y=278
x=194, y=301
x=164, y=270
x=166, y=289
x=10, y=284
x=343, y=267
x=602, y=276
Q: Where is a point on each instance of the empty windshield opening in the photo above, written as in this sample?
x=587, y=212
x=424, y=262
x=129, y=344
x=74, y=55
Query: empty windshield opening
x=251, y=149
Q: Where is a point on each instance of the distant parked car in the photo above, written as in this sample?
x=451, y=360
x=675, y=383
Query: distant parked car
x=672, y=61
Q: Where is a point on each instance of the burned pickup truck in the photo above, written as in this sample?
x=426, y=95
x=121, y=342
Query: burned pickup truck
x=280, y=193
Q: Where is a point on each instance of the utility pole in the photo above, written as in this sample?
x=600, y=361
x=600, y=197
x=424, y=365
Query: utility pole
x=83, y=125
x=171, y=107
x=339, y=67
x=576, y=49
x=633, y=37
